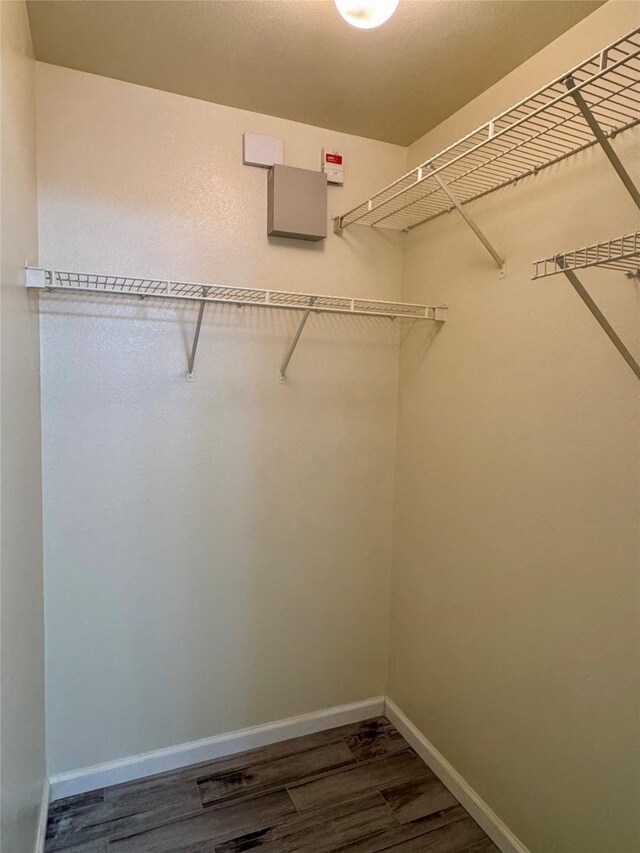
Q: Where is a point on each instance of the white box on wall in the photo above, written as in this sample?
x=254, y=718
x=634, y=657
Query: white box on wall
x=263, y=151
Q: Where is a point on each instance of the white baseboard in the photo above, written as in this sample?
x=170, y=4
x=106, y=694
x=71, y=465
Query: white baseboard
x=184, y=754
x=497, y=831
x=42, y=818
x=208, y=749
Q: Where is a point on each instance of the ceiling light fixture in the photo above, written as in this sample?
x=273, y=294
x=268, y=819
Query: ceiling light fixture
x=366, y=14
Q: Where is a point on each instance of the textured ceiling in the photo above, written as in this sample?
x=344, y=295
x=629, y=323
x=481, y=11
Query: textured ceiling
x=298, y=59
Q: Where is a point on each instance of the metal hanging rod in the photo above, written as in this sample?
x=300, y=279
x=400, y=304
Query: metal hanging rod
x=543, y=129
x=620, y=253
x=140, y=287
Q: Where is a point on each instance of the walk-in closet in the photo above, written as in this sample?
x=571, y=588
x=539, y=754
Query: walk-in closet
x=320, y=426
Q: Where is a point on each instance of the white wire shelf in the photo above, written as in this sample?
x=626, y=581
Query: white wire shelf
x=620, y=253
x=204, y=294
x=537, y=132
x=214, y=293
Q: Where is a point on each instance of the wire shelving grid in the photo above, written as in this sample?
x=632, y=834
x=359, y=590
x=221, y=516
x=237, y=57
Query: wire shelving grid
x=537, y=132
x=620, y=253
x=212, y=293
x=204, y=294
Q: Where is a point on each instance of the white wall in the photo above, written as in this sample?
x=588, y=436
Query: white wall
x=22, y=753
x=515, y=599
x=217, y=553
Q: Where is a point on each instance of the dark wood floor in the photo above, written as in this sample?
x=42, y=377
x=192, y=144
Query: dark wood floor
x=357, y=788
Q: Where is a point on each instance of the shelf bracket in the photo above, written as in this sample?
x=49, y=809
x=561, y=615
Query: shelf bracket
x=294, y=342
x=499, y=260
x=194, y=346
x=602, y=140
x=597, y=313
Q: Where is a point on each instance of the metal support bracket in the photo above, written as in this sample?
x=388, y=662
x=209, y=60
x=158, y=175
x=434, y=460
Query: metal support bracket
x=294, y=342
x=194, y=346
x=597, y=313
x=499, y=260
x=602, y=140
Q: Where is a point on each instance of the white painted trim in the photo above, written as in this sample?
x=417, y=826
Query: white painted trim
x=195, y=752
x=218, y=746
x=42, y=818
x=482, y=813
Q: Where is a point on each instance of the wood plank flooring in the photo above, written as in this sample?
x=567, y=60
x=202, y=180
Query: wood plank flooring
x=358, y=788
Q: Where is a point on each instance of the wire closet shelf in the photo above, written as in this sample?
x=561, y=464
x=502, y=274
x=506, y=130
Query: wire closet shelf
x=537, y=132
x=212, y=293
x=619, y=253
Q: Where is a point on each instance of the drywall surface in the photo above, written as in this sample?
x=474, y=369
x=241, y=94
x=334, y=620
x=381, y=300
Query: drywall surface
x=515, y=620
x=22, y=751
x=217, y=553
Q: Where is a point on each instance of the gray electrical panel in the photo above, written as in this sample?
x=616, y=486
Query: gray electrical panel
x=296, y=203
